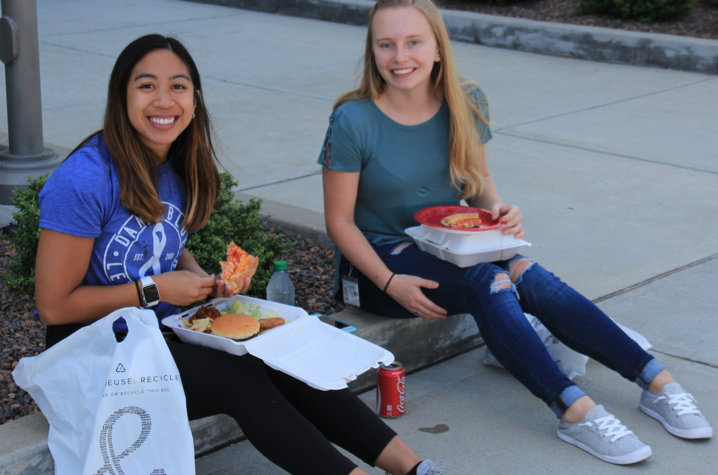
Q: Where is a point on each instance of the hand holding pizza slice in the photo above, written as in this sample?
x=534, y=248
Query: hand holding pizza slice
x=239, y=266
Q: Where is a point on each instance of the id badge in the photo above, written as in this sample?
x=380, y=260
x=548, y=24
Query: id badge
x=351, y=288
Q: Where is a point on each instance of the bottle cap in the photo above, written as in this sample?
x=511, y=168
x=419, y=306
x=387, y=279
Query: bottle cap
x=280, y=265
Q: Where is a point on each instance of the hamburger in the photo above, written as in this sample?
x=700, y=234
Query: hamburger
x=235, y=326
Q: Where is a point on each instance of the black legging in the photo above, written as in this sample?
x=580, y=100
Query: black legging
x=290, y=423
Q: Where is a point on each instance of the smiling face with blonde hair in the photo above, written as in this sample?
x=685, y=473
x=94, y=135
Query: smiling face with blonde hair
x=405, y=49
x=408, y=48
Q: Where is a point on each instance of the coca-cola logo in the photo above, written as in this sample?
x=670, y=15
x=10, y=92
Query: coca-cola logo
x=401, y=388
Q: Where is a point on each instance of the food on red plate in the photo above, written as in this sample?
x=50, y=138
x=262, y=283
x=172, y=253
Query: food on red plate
x=269, y=323
x=235, y=326
x=238, y=266
x=462, y=220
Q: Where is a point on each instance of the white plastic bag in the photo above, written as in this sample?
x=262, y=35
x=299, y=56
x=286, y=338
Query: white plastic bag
x=570, y=362
x=113, y=408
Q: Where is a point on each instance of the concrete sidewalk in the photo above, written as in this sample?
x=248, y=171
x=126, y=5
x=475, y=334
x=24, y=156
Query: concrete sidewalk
x=615, y=168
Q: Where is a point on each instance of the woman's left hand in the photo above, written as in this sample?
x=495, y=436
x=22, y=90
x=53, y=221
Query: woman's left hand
x=220, y=289
x=510, y=216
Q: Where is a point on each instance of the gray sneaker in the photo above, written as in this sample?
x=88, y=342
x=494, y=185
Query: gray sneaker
x=427, y=467
x=603, y=436
x=676, y=410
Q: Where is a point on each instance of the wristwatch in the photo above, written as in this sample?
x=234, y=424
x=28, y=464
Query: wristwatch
x=150, y=291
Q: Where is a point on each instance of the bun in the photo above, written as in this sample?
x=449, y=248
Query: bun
x=235, y=326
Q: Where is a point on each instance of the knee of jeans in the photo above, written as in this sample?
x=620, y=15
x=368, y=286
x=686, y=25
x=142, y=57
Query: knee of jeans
x=400, y=248
x=518, y=267
x=501, y=283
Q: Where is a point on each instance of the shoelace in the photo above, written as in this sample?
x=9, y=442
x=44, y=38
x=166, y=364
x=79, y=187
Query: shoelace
x=437, y=468
x=612, y=426
x=682, y=402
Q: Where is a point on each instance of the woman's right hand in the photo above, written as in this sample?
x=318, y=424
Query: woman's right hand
x=406, y=289
x=182, y=287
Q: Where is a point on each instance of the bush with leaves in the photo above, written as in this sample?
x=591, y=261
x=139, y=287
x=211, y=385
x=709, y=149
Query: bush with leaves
x=234, y=221
x=230, y=221
x=647, y=11
x=21, y=272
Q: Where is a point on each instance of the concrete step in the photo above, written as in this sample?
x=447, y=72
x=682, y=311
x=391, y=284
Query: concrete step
x=417, y=343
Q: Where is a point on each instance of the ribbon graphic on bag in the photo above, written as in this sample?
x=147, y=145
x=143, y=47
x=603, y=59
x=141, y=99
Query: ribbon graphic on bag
x=112, y=461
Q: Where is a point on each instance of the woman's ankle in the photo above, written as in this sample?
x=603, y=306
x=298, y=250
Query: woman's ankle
x=576, y=412
x=661, y=379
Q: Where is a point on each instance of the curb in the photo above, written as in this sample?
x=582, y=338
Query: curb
x=554, y=39
x=419, y=342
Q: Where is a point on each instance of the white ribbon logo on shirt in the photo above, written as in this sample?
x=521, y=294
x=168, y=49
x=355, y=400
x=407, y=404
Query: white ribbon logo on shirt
x=159, y=240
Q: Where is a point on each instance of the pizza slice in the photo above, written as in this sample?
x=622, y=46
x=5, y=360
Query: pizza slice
x=239, y=265
x=462, y=220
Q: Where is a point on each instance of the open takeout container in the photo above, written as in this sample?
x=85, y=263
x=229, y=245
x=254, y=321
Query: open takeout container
x=321, y=355
x=468, y=254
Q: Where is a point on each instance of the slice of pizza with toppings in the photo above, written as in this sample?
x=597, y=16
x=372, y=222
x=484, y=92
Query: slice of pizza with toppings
x=462, y=220
x=239, y=265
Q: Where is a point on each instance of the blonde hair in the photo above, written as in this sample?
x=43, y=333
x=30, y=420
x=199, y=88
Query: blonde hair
x=466, y=172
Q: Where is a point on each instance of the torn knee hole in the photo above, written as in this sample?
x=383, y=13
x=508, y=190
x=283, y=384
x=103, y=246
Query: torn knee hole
x=518, y=267
x=501, y=282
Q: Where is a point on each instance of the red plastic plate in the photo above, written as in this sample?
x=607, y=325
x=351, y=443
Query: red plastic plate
x=433, y=215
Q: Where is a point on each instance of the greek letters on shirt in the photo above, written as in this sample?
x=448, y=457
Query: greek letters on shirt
x=138, y=249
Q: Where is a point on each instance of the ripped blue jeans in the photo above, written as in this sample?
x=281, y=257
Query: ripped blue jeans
x=497, y=295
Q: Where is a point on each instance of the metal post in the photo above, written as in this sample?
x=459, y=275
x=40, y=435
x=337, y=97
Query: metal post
x=19, y=50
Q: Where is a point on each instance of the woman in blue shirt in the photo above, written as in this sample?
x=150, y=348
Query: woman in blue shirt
x=114, y=220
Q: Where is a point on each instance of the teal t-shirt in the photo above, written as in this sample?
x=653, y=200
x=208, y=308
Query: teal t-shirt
x=404, y=168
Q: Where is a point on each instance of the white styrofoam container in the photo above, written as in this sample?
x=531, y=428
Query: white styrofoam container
x=288, y=313
x=321, y=355
x=458, y=240
x=473, y=257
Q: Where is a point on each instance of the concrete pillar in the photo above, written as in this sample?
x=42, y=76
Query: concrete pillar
x=19, y=50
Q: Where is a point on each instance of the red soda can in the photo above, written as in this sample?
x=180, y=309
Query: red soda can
x=390, y=390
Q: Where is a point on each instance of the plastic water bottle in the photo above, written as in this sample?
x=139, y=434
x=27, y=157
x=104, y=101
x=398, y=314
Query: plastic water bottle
x=280, y=288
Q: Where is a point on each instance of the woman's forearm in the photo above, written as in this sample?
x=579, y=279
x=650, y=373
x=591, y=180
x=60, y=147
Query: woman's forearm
x=356, y=249
x=488, y=198
x=187, y=261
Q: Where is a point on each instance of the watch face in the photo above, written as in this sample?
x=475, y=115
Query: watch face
x=151, y=293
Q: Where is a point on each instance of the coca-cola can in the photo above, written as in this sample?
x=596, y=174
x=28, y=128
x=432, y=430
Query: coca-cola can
x=390, y=390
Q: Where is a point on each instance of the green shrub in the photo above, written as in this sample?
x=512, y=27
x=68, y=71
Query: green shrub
x=233, y=221
x=21, y=271
x=646, y=11
x=230, y=221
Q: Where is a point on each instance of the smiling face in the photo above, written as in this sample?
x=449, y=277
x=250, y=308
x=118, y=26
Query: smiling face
x=160, y=100
x=405, y=49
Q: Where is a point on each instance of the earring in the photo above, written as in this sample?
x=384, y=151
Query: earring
x=438, y=58
x=193, y=116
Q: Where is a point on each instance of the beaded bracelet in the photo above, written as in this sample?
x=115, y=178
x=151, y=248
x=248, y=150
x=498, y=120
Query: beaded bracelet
x=388, y=281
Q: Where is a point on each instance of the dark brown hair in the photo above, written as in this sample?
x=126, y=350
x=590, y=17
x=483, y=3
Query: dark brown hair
x=192, y=155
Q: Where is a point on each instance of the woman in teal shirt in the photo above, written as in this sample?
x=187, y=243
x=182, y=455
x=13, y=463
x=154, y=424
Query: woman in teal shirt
x=413, y=136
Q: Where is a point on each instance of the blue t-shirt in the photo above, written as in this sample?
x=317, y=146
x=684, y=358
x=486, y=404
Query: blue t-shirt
x=404, y=168
x=82, y=198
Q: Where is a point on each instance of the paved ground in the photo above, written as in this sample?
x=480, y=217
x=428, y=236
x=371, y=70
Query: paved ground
x=614, y=167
